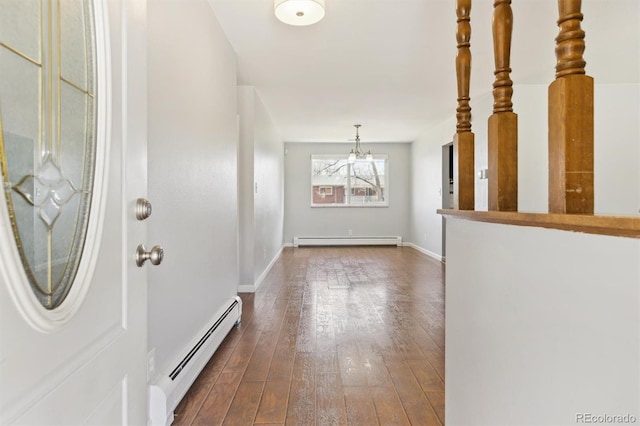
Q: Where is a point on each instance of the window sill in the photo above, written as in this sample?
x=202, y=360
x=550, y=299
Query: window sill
x=618, y=226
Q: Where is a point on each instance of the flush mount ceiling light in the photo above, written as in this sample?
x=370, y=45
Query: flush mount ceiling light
x=299, y=12
x=358, y=153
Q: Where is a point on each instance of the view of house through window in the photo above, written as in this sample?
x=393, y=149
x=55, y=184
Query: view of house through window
x=335, y=182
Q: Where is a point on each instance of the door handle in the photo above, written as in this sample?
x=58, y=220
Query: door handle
x=155, y=255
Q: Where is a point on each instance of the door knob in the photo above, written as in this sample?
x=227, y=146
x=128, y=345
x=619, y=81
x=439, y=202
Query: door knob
x=155, y=255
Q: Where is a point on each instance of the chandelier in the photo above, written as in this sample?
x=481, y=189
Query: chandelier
x=299, y=12
x=358, y=153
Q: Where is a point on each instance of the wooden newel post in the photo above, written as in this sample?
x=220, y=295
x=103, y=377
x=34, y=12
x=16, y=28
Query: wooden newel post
x=570, y=119
x=503, y=123
x=463, y=141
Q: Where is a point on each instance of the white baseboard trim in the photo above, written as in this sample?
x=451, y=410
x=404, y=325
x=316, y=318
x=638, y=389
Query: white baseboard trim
x=347, y=241
x=423, y=250
x=412, y=245
x=248, y=288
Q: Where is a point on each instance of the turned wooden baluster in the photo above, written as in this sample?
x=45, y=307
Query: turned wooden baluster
x=570, y=119
x=503, y=123
x=463, y=141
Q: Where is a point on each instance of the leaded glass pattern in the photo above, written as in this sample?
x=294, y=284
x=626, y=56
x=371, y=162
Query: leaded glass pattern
x=48, y=135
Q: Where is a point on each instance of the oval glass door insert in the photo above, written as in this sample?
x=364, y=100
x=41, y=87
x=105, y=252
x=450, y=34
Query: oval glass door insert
x=48, y=136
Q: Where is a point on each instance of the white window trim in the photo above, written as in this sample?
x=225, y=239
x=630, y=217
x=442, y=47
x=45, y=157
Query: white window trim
x=347, y=204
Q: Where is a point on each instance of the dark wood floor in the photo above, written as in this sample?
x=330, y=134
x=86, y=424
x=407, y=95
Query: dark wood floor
x=334, y=336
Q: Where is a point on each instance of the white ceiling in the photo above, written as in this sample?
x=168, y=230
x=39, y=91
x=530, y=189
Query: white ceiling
x=389, y=64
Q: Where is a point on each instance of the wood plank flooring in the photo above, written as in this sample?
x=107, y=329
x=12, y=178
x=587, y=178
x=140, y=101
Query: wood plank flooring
x=334, y=336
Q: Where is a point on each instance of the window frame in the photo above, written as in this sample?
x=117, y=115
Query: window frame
x=348, y=188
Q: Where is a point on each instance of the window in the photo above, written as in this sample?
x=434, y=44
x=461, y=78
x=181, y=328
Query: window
x=325, y=190
x=336, y=183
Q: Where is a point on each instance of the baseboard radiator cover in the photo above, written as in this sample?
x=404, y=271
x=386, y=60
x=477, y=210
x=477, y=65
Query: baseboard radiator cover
x=170, y=388
x=347, y=241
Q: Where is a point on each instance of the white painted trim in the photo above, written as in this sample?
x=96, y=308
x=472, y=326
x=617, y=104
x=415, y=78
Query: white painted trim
x=248, y=288
x=346, y=241
x=268, y=269
x=423, y=250
x=288, y=245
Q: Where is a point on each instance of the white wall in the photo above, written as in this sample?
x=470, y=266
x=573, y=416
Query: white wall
x=192, y=172
x=540, y=324
x=268, y=160
x=426, y=188
x=303, y=220
x=261, y=189
x=246, y=113
x=617, y=149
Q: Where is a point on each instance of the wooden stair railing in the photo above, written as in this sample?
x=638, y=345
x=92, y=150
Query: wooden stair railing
x=571, y=119
x=571, y=180
x=571, y=137
x=503, y=123
x=463, y=141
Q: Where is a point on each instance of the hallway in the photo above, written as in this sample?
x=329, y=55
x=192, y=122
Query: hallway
x=334, y=336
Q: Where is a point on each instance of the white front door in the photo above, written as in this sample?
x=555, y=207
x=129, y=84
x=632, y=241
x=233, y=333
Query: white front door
x=73, y=316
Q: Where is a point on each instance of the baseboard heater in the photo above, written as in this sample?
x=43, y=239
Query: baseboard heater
x=347, y=241
x=168, y=390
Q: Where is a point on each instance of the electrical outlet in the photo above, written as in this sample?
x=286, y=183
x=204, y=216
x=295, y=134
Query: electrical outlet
x=350, y=232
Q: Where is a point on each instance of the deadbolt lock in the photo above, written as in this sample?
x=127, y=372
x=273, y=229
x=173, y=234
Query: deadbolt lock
x=143, y=209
